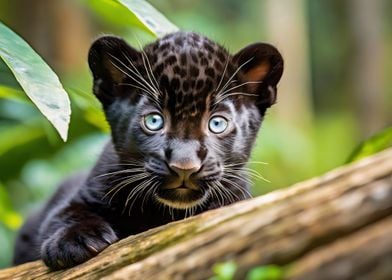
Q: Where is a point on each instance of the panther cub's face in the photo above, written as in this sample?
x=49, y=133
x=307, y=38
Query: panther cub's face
x=184, y=113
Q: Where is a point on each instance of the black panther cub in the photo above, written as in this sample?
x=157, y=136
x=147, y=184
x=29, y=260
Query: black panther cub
x=184, y=115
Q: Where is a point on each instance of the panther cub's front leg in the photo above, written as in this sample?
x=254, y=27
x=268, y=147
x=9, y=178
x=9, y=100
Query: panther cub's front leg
x=74, y=235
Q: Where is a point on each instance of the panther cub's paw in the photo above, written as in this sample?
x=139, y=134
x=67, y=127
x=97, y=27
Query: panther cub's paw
x=73, y=245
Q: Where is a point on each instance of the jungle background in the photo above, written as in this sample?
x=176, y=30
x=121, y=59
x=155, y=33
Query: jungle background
x=336, y=90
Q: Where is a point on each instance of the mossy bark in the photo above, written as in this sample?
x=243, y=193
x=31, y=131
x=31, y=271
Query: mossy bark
x=337, y=226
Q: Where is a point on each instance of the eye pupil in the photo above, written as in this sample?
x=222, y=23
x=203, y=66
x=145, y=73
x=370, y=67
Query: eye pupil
x=153, y=122
x=218, y=124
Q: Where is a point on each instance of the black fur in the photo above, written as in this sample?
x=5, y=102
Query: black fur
x=182, y=169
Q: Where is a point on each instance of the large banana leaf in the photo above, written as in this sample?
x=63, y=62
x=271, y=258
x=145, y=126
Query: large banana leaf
x=150, y=17
x=37, y=79
x=134, y=13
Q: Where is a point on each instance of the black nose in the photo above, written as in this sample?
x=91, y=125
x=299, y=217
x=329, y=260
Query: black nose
x=185, y=170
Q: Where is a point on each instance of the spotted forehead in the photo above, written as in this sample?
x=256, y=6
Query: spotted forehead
x=188, y=68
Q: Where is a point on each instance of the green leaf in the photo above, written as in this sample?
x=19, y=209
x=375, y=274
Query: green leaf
x=39, y=82
x=374, y=144
x=137, y=13
x=267, y=272
x=91, y=108
x=224, y=271
x=115, y=13
x=153, y=20
x=8, y=216
x=133, y=13
x=12, y=94
x=15, y=135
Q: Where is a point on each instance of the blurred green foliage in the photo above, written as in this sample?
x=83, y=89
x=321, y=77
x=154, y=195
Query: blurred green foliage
x=33, y=160
x=227, y=270
x=374, y=144
x=224, y=271
x=267, y=272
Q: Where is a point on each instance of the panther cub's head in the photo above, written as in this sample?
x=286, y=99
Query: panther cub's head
x=184, y=113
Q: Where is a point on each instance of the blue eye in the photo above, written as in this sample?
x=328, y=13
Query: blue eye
x=153, y=122
x=217, y=124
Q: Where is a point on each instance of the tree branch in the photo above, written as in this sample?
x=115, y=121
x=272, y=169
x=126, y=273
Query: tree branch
x=336, y=226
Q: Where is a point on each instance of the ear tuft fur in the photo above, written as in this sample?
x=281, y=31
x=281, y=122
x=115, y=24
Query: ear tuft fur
x=109, y=58
x=261, y=68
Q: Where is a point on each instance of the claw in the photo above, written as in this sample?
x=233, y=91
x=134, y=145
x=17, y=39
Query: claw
x=107, y=240
x=60, y=263
x=91, y=248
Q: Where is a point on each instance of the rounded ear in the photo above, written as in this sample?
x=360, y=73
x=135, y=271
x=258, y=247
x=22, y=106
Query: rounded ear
x=261, y=69
x=111, y=60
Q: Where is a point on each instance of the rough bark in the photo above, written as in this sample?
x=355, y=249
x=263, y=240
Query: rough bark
x=337, y=226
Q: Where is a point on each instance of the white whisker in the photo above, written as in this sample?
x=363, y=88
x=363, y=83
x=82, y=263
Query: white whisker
x=240, y=85
x=233, y=75
x=224, y=73
x=140, y=75
x=220, y=99
x=133, y=170
x=136, y=192
x=123, y=184
x=154, y=82
x=143, y=84
x=245, y=193
x=229, y=193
